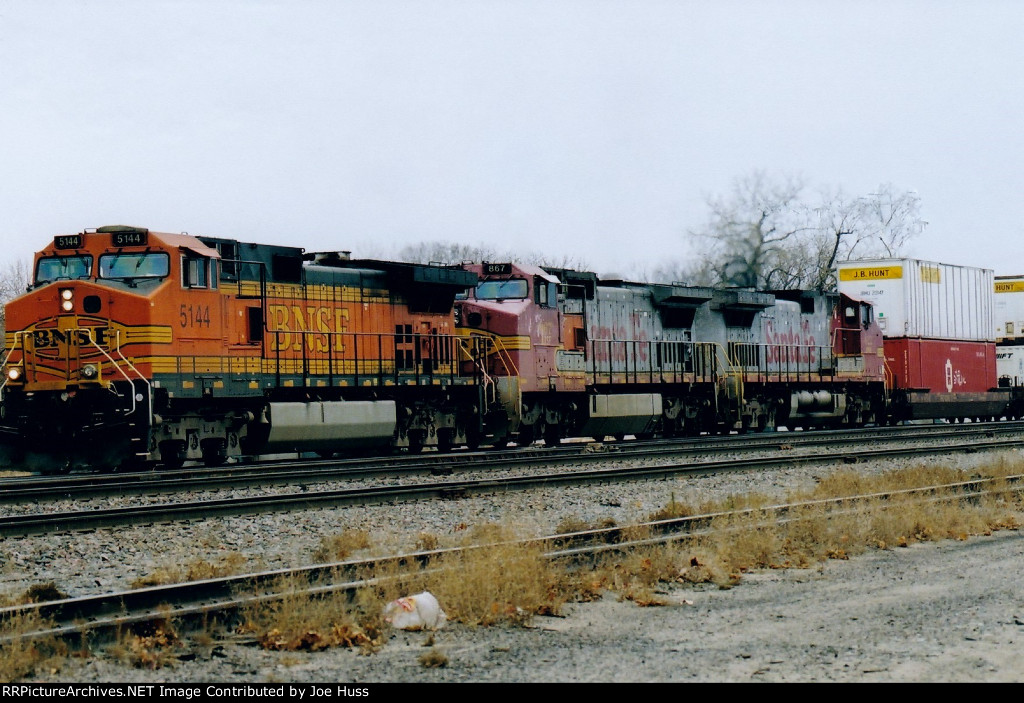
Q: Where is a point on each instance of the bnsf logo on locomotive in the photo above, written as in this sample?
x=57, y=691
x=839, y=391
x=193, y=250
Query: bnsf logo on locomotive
x=53, y=343
x=288, y=323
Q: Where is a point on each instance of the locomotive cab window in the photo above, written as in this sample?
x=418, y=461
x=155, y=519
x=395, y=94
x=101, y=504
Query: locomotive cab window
x=195, y=271
x=56, y=268
x=132, y=266
x=547, y=293
x=512, y=289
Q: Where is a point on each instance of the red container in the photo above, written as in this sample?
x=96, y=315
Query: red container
x=941, y=366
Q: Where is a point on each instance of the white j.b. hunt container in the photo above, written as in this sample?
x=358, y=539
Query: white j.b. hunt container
x=1009, y=314
x=1009, y=307
x=923, y=299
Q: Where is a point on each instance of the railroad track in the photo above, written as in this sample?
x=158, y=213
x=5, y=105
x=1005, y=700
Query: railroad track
x=305, y=472
x=783, y=456
x=221, y=597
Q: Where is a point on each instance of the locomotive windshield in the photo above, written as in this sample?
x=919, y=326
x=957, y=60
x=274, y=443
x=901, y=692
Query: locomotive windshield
x=55, y=268
x=502, y=290
x=122, y=266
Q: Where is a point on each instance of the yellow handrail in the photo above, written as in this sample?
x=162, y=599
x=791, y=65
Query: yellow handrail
x=7, y=357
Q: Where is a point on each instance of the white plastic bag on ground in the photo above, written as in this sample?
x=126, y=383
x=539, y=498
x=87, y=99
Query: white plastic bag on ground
x=418, y=612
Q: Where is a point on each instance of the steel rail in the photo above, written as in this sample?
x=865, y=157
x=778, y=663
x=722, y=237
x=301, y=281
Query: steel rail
x=16, y=490
x=48, y=523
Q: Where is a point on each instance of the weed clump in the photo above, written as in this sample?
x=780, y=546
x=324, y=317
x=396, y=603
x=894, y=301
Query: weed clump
x=503, y=581
x=304, y=622
x=341, y=546
x=433, y=659
x=197, y=570
x=149, y=645
x=22, y=654
x=43, y=592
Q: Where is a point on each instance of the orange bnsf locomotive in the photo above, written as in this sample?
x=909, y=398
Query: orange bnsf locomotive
x=138, y=346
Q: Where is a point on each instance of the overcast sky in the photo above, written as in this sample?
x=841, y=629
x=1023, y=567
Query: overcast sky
x=594, y=128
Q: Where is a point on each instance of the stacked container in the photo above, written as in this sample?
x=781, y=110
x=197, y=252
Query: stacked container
x=1009, y=318
x=937, y=321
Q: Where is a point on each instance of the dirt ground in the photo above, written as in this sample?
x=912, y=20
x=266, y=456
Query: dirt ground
x=947, y=611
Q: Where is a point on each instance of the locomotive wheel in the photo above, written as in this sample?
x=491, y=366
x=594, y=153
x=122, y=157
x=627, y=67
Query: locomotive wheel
x=215, y=451
x=173, y=453
x=552, y=437
x=47, y=464
x=526, y=436
x=417, y=438
x=445, y=440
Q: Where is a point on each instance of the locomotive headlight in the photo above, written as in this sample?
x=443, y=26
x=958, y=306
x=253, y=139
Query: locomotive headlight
x=90, y=371
x=14, y=373
x=67, y=299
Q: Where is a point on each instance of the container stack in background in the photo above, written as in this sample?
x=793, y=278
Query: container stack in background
x=938, y=324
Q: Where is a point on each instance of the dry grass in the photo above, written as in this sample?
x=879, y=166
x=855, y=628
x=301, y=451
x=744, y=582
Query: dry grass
x=231, y=563
x=310, y=623
x=342, y=546
x=149, y=645
x=24, y=656
x=37, y=593
x=427, y=542
x=673, y=509
x=809, y=535
x=506, y=581
x=433, y=658
x=570, y=524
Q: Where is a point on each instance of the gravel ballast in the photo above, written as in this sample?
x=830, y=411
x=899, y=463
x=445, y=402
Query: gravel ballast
x=946, y=611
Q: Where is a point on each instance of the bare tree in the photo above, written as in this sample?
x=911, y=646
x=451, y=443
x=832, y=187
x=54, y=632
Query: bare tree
x=564, y=261
x=454, y=253
x=447, y=252
x=877, y=225
x=892, y=218
x=699, y=271
x=767, y=235
x=747, y=236
x=14, y=279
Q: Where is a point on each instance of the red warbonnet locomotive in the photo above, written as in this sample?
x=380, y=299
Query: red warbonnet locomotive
x=138, y=347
